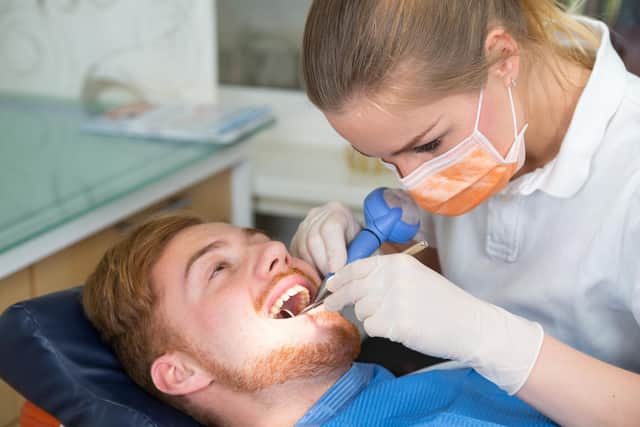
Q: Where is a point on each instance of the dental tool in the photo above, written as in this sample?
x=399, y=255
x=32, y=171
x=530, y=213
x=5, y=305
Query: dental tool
x=288, y=312
x=323, y=293
x=417, y=248
x=390, y=215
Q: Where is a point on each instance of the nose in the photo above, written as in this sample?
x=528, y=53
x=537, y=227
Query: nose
x=274, y=259
x=404, y=164
x=399, y=167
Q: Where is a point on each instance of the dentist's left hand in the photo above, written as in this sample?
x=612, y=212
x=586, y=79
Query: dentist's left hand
x=399, y=298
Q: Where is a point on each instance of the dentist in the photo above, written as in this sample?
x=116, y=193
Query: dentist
x=516, y=128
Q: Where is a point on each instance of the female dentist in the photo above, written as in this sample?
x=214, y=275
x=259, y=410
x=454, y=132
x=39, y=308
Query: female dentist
x=516, y=127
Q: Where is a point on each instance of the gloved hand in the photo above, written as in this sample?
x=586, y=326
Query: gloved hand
x=322, y=238
x=399, y=298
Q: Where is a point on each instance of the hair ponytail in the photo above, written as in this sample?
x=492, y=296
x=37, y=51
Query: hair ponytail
x=553, y=25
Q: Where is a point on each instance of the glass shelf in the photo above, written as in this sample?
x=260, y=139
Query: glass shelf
x=51, y=172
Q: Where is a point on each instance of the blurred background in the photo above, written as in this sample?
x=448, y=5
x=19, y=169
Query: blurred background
x=259, y=41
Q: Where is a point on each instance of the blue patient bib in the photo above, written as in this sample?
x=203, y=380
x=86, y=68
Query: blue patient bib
x=369, y=395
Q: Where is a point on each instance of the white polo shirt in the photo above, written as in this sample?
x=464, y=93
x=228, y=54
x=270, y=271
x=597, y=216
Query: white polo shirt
x=561, y=245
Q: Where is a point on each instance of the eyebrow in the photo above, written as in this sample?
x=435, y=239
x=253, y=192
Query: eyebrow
x=417, y=138
x=409, y=144
x=250, y=232
x=201, y=252
x=247, y=231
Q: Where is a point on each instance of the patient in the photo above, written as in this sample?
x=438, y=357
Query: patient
x=199, y=316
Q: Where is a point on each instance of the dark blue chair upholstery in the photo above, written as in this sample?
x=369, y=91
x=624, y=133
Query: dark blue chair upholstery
x=53, y=356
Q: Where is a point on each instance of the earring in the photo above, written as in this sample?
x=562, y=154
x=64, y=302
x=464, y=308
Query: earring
x=514, y=82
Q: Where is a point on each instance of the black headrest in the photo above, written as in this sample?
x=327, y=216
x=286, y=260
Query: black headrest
x=53, y=356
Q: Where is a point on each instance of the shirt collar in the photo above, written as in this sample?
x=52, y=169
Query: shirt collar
x=341, y=393
x=601, y=97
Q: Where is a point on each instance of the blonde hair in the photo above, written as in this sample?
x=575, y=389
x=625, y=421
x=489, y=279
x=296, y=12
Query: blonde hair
x=414, y=49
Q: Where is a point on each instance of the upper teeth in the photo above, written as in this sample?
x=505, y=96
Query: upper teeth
x=297, y=289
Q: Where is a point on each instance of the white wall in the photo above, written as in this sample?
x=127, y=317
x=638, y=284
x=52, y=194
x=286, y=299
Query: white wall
x=167, y=50
x=259, y=41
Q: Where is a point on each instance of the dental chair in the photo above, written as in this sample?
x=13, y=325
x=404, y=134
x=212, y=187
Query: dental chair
x=52, y=355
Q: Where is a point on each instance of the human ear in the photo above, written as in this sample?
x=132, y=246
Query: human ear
x=502, y=51
x=177, y=374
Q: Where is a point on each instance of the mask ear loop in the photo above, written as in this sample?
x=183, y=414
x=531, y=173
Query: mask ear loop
x=478, y=110
x=513, y=113
x=520, y=160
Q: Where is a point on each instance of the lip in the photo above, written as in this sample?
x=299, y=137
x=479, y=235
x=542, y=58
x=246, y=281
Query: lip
x=284, y=284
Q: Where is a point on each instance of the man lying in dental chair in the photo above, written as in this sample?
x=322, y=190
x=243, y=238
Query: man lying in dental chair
x=195, y=313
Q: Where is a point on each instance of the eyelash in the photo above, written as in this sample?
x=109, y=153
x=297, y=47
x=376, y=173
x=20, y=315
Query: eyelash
x=428, y=147
x=217, y=268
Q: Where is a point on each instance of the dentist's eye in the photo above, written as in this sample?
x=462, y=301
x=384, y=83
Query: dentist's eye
x=428, y=147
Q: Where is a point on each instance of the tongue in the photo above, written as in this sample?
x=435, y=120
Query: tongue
x=292, y=306
x=285, y=314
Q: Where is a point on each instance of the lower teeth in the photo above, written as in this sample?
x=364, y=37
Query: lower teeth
x=284, y=310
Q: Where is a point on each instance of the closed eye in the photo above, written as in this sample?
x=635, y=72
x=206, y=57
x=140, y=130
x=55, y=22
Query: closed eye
x=218, y=268
x=428, y=147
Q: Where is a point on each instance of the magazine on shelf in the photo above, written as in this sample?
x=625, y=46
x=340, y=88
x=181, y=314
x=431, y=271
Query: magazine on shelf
x=204, y=123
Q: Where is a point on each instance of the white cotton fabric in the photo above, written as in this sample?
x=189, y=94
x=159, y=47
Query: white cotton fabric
x=561, y=245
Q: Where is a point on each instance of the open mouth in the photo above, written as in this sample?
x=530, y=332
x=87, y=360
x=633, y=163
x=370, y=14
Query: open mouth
x=289, y=296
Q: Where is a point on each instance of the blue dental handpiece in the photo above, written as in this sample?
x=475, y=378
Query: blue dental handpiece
x=390, y=216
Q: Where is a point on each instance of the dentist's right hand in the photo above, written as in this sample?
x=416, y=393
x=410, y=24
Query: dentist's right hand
x=323, y=236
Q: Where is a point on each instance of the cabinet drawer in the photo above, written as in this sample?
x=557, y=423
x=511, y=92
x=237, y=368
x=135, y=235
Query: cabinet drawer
x=71, y=266
x=10, y=403
x=211, y=198
x=12, y=289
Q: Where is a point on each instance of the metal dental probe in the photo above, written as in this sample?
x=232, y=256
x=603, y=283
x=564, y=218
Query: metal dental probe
x=288, y=312
x=324, y=293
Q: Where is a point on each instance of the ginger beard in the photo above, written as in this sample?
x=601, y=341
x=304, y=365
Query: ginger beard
x=340, y=346
x=308, y=360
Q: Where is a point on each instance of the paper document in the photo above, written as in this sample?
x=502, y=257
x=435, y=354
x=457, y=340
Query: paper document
x=211, y=124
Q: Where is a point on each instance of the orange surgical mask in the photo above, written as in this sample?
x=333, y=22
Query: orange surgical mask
x=468, y=174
